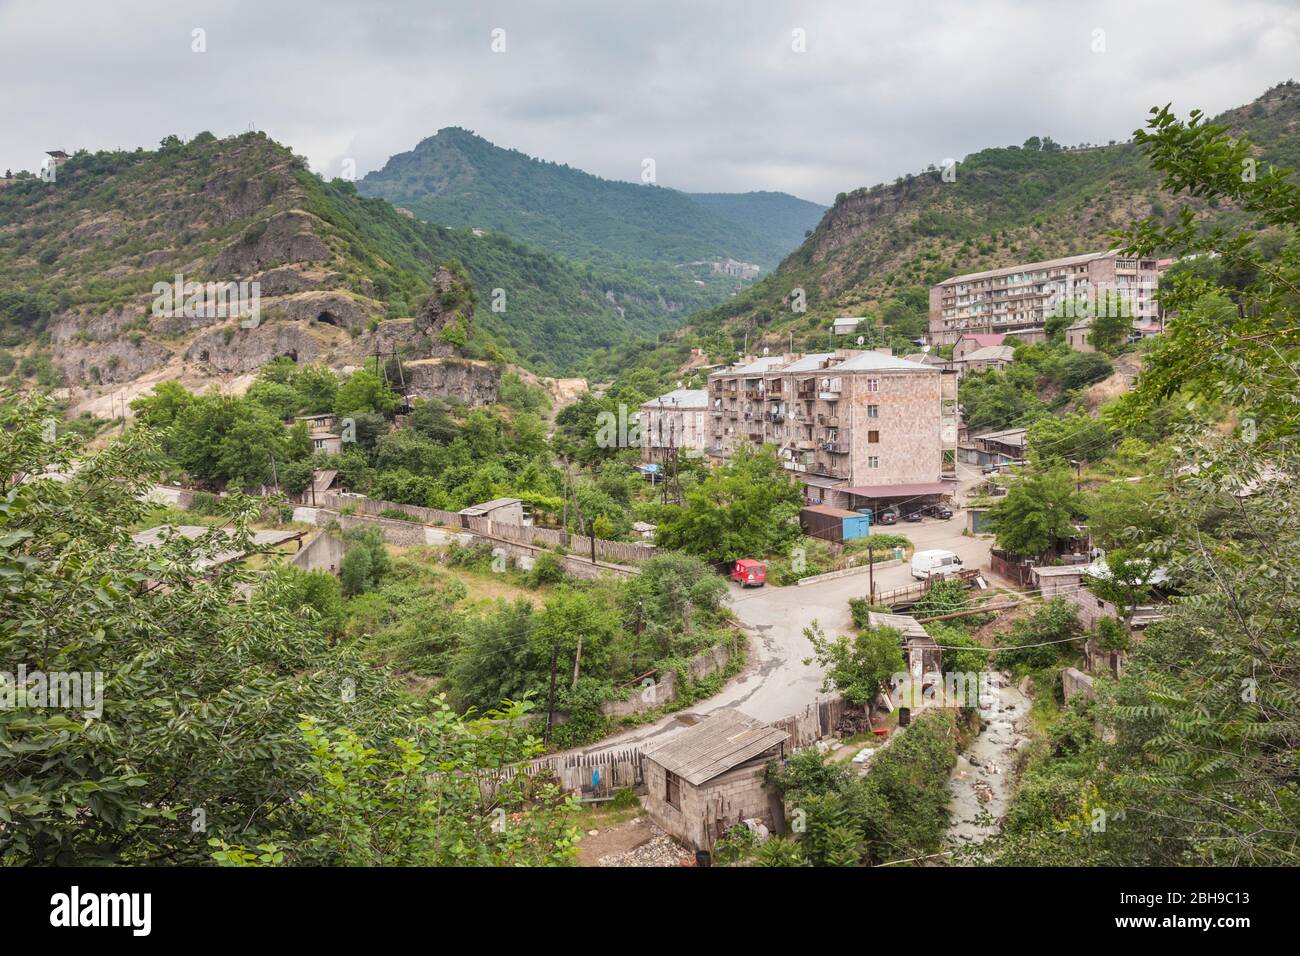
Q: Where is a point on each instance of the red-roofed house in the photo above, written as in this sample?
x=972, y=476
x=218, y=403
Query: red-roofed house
x=973, y=341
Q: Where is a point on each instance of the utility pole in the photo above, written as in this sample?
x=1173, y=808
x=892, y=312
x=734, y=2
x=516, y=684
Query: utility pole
x=577, y=660
x=871, y=574
x=636, y=647
x=564, y=489
x=550, y=697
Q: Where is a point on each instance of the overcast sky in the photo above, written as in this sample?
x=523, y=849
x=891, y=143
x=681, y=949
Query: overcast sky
x=714, y=92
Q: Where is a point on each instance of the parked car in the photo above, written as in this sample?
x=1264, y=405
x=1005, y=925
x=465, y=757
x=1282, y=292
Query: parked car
x=749, y=573
x=942, y=512
x=934, y=563
x=912, y=515
x=990, y=469
x=887, y=516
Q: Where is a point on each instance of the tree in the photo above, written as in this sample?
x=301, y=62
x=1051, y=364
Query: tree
x=1036, y=512
x=364, y=391
x=745, y=508
x=366, y=562
x=200, y=689
x=1236, y=343
x=858, y=667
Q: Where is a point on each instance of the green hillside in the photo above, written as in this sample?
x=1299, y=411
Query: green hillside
x=460, y=179
x=783, y=217
x=79, y=257
x=879, y=248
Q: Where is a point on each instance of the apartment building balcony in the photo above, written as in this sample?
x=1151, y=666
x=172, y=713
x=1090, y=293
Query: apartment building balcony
x=835, y=447
x=807, y=393
x=775, y=417
x=805, y=444
x=829, y=421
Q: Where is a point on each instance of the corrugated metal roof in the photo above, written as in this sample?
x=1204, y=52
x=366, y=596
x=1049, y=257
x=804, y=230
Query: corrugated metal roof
x=905, y=624
x=478, y=510
x=321, y=480
x=833, y=512
x=878, y=361
x=681, y=398
x=726, y=739
x=899, y=491
x=808, y=363
x=1028, y=267
x=991, y=353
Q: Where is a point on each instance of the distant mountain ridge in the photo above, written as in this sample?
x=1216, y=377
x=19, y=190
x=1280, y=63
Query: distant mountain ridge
x=458, y=178
x=878, y=249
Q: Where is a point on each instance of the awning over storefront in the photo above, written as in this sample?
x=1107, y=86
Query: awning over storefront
x=821, y=482
x=902, y=491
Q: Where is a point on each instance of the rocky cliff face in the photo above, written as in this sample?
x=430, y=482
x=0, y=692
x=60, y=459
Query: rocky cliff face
x=474, y=383
x=235, y=212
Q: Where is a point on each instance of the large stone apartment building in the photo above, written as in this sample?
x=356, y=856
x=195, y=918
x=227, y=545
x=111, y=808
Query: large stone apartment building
x=1023, y=297
x=674, y=421
x=856, y=427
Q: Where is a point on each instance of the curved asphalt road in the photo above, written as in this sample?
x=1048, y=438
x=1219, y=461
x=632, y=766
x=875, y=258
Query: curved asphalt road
x=776, y=682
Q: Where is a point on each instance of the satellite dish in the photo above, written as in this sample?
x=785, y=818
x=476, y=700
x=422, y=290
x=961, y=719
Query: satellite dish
x=861, y=340
x=765, y=350
x=925, y=349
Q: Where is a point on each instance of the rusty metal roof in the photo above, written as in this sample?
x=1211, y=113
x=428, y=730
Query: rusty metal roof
x=725, y=739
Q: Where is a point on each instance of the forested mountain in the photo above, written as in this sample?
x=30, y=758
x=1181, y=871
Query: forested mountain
x=783, y=217
x=79, y=258
x=460, y=179
x=879, y=248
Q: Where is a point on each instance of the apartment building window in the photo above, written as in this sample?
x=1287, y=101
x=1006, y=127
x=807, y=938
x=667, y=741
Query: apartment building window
x=873, y=461
x=873, y=437
x=873, y=385
x=873, y=411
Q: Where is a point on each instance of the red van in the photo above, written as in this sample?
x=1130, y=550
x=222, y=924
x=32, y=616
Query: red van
x=748, y=572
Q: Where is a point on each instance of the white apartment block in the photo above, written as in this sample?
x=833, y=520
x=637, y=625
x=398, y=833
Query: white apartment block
x=1025, y=296
x=856, y=427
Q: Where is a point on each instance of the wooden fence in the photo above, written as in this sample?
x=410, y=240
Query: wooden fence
x=816, y=721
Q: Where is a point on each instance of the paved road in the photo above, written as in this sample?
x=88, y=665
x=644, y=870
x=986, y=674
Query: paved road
x=777, y=682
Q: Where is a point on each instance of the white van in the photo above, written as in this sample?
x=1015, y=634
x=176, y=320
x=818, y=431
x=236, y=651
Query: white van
x=935, y=563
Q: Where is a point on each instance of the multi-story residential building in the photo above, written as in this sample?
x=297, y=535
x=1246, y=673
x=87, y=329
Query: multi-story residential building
x=857, y=427
x=674, y=421
x=1025, y=296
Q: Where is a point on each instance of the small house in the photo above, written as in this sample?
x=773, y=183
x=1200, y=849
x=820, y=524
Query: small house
x=326, y=442
x=710, y=777
x=974, y=341
x=922, y=652
x=989, y=358
x=499, y=510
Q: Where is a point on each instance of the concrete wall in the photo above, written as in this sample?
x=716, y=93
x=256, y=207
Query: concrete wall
x=664, y=690
x=1075, y=682
x=324, y=553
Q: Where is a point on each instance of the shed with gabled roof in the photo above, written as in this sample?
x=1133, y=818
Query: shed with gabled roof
x=711, y=776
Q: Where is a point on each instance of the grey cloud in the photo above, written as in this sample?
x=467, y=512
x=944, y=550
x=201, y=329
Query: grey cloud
x=713, y=92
